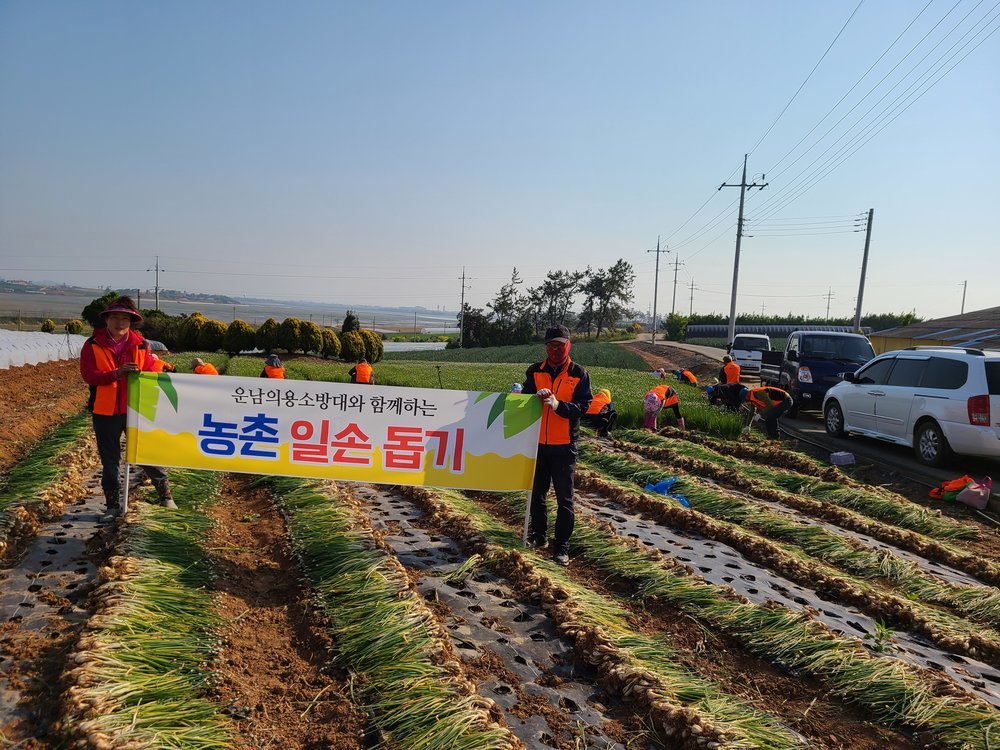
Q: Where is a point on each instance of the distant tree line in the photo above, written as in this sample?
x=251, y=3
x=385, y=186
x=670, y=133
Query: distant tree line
x=195, y=332
x=675, y=326
x=520, y=316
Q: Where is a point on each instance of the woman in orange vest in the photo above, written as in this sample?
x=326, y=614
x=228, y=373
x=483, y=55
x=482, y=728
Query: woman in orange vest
x=730, y=372
x=656, y=399
x=601, y=414
x=273, y=368
x=564, y=389
x=362, y=373
x=201, y=367
x=106, y=360
x=770, y=403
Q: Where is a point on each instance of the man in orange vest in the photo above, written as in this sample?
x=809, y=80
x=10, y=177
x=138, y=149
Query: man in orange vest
x=601, y=414
x=564, y=389
x=656, y=399
x=201, y=367
x=730, y=372
x=770, y=403
x=362, y=373
x=106, y=360
x=273, y=368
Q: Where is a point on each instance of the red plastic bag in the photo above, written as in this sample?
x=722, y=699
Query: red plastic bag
x=976, y=494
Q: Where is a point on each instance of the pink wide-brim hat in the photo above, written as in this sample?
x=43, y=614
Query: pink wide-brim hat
x=136, y=317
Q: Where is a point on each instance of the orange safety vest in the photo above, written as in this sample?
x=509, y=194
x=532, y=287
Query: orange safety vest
x=599, y=402
x=206, y=369
x=689, y=377
x=766, y=396
x=732, y=371
x=555, y=429
x=104, y=398
x=278, y=373
x=665, y=393
x=362, y=373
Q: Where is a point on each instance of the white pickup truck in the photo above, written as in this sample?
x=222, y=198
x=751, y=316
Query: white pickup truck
x=746, y=349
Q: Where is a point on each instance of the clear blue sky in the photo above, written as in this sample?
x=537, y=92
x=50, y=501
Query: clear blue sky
x=364, y=152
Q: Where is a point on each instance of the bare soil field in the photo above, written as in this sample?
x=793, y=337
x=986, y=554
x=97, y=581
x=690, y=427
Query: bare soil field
x=782, y=604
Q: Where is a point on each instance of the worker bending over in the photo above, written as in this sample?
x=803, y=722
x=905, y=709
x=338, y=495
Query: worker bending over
x=770, y=403
x=656, y=399
x=601, y=415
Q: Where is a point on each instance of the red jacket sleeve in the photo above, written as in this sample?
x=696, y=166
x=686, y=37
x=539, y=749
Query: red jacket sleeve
x=88, y=368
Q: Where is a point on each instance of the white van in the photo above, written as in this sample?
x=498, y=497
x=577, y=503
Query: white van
x=746, y=348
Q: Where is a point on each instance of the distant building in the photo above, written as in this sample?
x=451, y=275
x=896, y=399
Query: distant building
x=979, y=329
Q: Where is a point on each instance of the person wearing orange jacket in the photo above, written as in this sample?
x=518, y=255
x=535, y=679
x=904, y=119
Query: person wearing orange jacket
x=686, y=376
x=273, y=368
x=564, y=389
x=161, y=365
x=106, y=360
x=770, y=403
x=201, y=367
x=362, y=373
x=601, y=414
x=656, y=399
x=730, y=371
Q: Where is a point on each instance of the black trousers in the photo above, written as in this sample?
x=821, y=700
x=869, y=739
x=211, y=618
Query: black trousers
x=555, y=467
x=771, y=415
x=602, y=421
x=109, y=430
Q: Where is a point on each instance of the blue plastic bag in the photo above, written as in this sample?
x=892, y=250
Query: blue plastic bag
x=662, y=487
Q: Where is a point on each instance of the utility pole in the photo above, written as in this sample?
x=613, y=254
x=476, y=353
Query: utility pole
x=138, y=298
x=673, y=304
x=656, y=281
x=864, y=270
x=156, y=285
x=461, y=313
x=691, y=308
x=828, y=295
x=739, y=235
x=414, y=321
x=964, y=285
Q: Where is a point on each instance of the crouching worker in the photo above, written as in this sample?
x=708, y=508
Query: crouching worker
x=273, y=368
x=106, y=360
x=161, y=365
x=201, y=367
x=656, y=399
x=770, y=403
x=601, y=415
x=728, y=395
x=686, y=376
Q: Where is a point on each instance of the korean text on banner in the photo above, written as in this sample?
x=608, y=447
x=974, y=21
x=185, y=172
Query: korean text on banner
x=362, y=433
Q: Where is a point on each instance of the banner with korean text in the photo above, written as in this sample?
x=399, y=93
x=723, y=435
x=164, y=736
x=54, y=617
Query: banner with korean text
x=361, y=433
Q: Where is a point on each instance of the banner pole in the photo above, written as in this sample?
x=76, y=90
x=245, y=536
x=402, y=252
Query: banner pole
x=527, y=515
x=130, y=421
x=128, y=466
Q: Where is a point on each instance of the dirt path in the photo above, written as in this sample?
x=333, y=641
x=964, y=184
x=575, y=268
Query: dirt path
x=273, y=664
x=35, y=399
x=670, y=359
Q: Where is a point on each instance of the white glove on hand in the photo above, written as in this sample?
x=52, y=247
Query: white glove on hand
x=551, y=402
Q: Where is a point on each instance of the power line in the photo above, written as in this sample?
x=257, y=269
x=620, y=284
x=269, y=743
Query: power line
x=802, y=85
x=881, y=124
x=856, y=83
x=798, y=183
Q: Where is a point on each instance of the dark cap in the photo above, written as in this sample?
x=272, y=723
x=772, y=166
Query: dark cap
x=557, y=333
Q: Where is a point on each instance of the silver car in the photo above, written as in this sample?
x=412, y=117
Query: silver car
x=937, y=400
